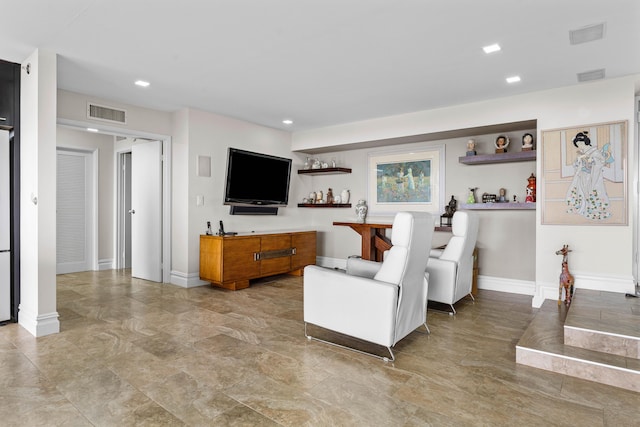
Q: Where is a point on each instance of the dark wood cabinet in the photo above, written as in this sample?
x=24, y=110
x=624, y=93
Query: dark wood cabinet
x=9, y=79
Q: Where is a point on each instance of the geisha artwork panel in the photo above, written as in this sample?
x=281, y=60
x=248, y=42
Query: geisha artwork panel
x=584, y=175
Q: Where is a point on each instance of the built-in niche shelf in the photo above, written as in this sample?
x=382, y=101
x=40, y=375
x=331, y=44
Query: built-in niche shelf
x=324, y=205
x=483, y=159
x=323, y=171
x=498, y=206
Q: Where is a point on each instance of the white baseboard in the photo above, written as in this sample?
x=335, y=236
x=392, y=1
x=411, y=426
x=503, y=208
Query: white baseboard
x=549, y=290
x=38, y=325
x=186, y=280
x=500, y=284
x=106, y=264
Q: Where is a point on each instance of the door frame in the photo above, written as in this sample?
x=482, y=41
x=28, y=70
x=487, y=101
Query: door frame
x=166, y=184
x=120, y=243
x=635, y=188
x=92, y=216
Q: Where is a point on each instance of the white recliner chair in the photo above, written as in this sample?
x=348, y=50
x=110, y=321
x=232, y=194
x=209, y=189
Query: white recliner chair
x=375, y=302
x=451, y=269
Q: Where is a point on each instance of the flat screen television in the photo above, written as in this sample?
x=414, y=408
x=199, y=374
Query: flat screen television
x=255, y=179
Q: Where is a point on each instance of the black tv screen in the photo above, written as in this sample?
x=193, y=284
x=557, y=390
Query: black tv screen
x=255, y=179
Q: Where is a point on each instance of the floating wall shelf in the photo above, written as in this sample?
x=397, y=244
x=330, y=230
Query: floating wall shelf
x=498, y=206
x=483, y=159
x=323, y=171
x=324, y=205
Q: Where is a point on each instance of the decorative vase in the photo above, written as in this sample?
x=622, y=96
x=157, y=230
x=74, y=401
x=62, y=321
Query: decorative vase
x=344, y=196
x=361, y=210
x=307, y=163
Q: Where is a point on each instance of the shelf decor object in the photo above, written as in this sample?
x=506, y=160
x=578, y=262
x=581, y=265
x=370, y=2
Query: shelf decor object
x=583, y=178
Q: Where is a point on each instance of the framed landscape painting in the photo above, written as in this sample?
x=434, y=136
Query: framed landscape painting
x=584, y=175
x=407, y=180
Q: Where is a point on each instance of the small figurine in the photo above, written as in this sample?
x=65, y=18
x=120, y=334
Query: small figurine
x=452, y=206
x=531, y=189
x=472, y=197
x=527, y=142
x=330, y=196
x=501, y=144
x=566, y=279
x=471, y=148
x=503, y=195
x=449, y=210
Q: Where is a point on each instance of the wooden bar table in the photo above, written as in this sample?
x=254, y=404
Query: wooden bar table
x=374, y=239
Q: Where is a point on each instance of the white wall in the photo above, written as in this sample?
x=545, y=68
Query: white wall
x=77, y=139
x=37, y=311
x=209, y=134
x=596, y=102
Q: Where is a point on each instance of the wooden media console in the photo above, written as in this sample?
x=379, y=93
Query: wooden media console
x=231, y=261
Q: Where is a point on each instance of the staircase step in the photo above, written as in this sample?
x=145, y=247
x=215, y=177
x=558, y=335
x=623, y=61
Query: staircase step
x=606, y=322
x=542, y=346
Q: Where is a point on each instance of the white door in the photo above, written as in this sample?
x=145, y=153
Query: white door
x=146, y=211
x=73, y=212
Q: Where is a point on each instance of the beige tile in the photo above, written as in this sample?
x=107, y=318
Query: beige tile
x=132, y=352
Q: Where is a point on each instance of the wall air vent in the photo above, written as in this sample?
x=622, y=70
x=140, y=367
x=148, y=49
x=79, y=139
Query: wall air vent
x=106, y=114
x=591, y=75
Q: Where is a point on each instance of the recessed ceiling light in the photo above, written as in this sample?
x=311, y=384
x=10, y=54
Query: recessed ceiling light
x=142, y=83
x=491, y=48
x=513, y=79
x=92, y=130
x=287, y=121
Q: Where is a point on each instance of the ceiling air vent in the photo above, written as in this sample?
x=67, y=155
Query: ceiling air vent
x=586, y=34
x=107, y=114
x=591, y=75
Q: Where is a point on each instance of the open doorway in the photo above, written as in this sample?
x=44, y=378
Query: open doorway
x=123, y=209
x=116, y=146
x=139, y=244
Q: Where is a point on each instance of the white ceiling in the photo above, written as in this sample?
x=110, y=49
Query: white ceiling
x=318, y=62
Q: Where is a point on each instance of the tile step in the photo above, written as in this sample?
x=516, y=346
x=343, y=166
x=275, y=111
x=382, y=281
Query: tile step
x=542, y=346
x=606, y=322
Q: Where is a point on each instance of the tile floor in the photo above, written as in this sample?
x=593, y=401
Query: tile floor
x=131, y=352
